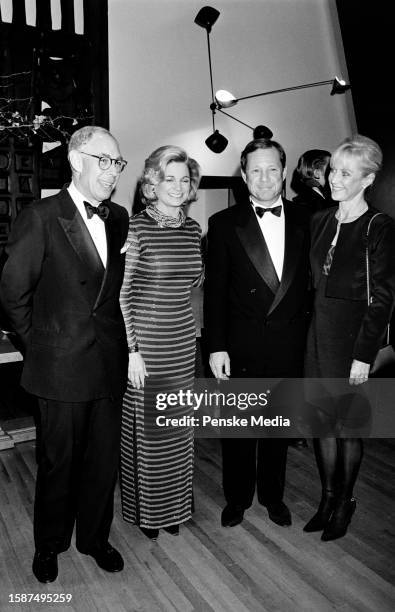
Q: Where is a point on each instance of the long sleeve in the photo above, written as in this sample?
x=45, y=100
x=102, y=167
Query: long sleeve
x=22, y=270
x=132, y=257
x=382, y=288
x=199, y=280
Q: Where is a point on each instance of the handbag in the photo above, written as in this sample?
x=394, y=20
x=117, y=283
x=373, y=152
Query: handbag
x=386, y=355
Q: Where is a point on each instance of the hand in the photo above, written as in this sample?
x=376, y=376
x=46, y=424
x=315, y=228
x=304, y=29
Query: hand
x=359, y=372
x=137, y=370
x=220, y=364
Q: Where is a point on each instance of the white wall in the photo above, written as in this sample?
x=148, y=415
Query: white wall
x=159, y=78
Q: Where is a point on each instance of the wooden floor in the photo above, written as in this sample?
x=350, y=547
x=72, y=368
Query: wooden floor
x=254, y=567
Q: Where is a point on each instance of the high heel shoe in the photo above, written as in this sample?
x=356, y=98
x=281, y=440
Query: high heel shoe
x=172, y=529
x=321, y=518
x=340, y=520
x=152, y=534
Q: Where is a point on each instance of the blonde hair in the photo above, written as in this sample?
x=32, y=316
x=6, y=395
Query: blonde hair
x=365, y=149
x=155, y=170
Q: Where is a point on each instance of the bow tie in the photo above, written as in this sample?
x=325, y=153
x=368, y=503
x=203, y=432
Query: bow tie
x=261, y=210
x=101, y=211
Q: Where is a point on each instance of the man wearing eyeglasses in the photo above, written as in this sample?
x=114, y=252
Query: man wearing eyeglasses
x=60, y=289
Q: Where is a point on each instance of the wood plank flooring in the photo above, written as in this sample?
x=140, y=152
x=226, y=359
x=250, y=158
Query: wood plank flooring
x=256, y=566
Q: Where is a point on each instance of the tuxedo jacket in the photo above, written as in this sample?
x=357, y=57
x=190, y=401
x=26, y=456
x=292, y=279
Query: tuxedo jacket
x=62, y=303
x=263, y=328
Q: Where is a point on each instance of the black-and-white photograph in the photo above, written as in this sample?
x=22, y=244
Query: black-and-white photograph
x=197, y=287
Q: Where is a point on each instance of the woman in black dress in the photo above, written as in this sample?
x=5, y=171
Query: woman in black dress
x=345, y=332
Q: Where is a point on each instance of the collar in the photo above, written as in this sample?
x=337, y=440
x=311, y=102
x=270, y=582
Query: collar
x=256, y=202
x=77, y=196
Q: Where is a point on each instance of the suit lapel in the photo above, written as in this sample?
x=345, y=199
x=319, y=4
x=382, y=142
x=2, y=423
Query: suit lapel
x=250, y=235
x=113, y=242
x=294, y=236
x=80, y=240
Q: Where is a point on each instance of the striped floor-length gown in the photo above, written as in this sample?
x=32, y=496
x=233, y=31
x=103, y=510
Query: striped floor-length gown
x=162, y=264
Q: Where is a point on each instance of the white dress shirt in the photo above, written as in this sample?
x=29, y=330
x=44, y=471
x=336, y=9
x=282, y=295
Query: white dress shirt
x=273, y=230
x=95, y=225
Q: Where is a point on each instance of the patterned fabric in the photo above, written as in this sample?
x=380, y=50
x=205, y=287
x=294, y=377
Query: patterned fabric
x=165, y=220
x=162, y=264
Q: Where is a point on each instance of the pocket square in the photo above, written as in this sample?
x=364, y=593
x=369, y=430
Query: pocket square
x=124, y=248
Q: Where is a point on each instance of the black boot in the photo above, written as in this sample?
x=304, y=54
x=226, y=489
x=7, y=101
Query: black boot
x=319, y=521
x=340, y=520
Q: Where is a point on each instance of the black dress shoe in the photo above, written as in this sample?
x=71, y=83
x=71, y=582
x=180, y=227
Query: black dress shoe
x=172, y=529
x=232, y=516
x=340, y=520
x=152, y=534
x=279, y=514
x=321, y=518
x=107, y=558
x=45, y=566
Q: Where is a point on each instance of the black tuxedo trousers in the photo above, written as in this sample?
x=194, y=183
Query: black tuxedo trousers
x=78, y=457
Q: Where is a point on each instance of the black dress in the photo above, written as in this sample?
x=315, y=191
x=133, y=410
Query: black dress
x=339, y=319
x=343, y=328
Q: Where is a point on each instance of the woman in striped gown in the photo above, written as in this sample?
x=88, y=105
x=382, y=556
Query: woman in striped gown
x=163, y=262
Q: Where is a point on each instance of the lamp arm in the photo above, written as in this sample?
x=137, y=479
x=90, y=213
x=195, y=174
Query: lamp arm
x=213, y=105
x=234, y=118
x=266, y=93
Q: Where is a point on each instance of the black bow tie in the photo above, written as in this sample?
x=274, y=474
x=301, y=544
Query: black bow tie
x=101, y=211
x=260, y=210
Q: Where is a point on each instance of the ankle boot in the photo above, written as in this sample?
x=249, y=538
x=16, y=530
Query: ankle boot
x=340, y=520
x=319, y=521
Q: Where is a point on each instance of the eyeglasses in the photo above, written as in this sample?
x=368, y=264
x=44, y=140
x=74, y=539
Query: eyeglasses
x=106, y=162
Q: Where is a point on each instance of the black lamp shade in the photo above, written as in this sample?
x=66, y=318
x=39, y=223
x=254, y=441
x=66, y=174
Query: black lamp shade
x=206, y=17
x=216, y=142
x=339, y=86
x=261, y=131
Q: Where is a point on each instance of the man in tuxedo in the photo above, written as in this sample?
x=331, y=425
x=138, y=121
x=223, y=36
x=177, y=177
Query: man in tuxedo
x=60, y=291
x=256, y=316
